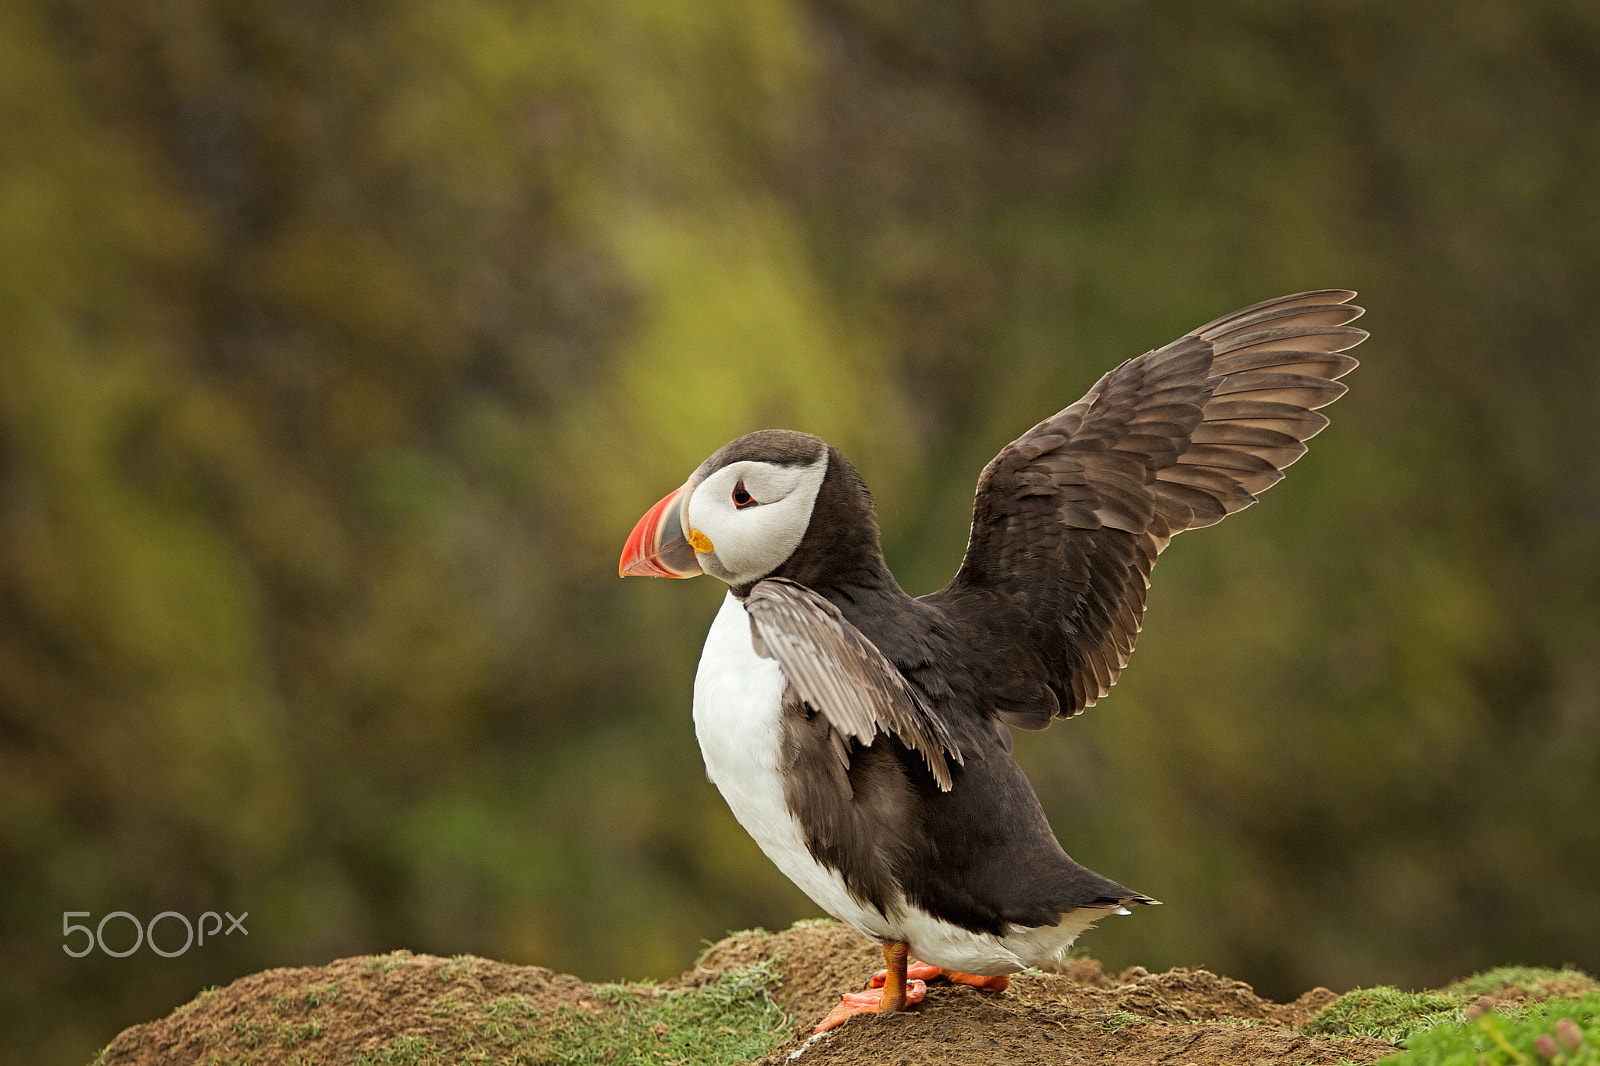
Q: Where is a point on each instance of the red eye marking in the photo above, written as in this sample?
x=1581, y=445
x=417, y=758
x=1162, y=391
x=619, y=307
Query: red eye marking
x=741, y=498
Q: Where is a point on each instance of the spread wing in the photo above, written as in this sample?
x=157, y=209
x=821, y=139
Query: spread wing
x=839, y=673
x=1070, y=517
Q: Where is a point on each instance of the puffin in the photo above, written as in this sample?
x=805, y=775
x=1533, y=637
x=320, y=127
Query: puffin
x=862, y=736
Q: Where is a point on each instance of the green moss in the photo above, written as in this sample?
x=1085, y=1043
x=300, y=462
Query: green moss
x=1447, y=1028
x=1386, y=1013
x=1535, y=981
x=1534, y=1035
x=731, y=1020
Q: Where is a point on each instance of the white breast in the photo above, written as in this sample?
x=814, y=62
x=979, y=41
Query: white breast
x=738, y=697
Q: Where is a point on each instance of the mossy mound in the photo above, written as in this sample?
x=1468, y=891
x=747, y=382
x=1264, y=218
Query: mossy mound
x=755, y=996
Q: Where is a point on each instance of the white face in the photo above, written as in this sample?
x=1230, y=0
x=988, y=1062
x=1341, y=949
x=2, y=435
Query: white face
x=755, y=515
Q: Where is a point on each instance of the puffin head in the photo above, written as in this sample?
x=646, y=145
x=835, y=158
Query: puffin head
x=740, y=516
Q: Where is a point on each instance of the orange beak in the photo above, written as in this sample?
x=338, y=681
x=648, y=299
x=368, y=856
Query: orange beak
x=659, y=545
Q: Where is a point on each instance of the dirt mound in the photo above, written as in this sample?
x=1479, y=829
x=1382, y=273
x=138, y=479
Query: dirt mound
x=422, y=1009
x=338, y=1013
x=1079, y=1014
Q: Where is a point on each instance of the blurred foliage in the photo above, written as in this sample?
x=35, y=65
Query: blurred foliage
x=342, y=344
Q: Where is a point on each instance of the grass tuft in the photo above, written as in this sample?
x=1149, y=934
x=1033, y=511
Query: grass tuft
x=384, y=965
x=403, y=1051
x=320, y=994
x=201, y=997
x=290, y=1034
x=458, y=966
x=1117, y=1020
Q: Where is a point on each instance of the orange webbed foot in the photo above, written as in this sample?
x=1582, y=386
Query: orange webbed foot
x=928, y=972
x=869, y=1002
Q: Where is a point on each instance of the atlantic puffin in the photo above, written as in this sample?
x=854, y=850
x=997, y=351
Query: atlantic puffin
x=861, y=735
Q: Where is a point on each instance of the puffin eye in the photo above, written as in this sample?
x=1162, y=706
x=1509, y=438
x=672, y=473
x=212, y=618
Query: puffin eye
x=741, y=498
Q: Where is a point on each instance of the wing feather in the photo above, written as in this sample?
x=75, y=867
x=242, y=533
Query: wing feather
x=1070, y=517
x=839, y=673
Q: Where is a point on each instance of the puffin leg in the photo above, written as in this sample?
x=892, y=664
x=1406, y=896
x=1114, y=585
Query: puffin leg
x=884, y=996
x=927, y=972
x=896, y=955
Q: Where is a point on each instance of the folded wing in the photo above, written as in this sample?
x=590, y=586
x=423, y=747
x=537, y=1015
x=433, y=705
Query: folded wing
x=839, y=673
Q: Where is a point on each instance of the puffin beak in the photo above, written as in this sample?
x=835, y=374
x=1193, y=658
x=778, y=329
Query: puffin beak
x=659, y=545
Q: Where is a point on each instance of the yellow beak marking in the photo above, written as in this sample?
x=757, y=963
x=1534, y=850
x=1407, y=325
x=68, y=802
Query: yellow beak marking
x=700, y=542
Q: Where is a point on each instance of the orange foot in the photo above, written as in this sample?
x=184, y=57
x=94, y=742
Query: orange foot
x=927, y=972
x=870, y=1002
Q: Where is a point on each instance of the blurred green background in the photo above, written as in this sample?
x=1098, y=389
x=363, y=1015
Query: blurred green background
x=343, y=343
